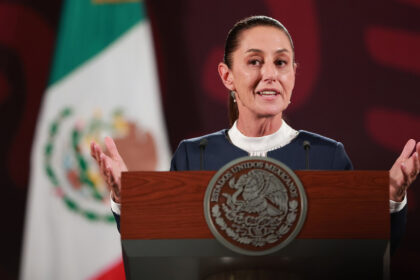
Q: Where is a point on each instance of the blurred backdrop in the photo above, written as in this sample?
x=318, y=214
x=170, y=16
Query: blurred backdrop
x=358, y=81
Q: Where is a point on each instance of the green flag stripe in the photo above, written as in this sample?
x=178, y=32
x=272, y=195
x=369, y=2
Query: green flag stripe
x=87, y=28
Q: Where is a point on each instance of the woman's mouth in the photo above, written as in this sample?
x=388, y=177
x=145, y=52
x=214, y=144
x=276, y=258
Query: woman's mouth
x=268, y=93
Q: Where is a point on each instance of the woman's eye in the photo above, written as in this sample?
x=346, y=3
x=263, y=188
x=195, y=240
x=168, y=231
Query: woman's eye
x=255, y=62
x=280, y=62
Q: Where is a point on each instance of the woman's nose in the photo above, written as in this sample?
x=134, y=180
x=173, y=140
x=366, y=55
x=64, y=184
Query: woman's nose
x=269, y=72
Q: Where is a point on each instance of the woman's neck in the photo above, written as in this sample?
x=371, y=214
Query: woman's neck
x=257, y=127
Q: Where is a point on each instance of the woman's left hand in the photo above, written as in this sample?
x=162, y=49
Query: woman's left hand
x=404, y=171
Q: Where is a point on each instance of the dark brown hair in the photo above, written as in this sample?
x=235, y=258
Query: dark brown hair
x=232, y=42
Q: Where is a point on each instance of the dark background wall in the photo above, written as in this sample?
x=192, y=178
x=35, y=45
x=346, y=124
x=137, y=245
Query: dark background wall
x=358, y=82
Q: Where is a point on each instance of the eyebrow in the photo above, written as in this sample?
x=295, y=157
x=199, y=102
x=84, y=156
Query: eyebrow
x=260, y=51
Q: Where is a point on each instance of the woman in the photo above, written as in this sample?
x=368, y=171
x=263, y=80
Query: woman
x=259, y=71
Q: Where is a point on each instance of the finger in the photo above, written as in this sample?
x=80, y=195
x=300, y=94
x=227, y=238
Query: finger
x=113, y=183
x=112, y=148
x=108, y=169
x=408, y=149
x=92, y=150
x=406, y=176
x=416, y=165
x=418, y=159
x=109, y=177
x=109, y=180
x=99, y=152
x=103, y=164
x=411, y=166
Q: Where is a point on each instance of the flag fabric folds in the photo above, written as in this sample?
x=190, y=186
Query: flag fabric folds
x=103, y=82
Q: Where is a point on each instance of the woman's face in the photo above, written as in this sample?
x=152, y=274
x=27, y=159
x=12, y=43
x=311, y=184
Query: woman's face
x=262, y=72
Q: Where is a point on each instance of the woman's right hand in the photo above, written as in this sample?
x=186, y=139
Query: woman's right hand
x=111, y=166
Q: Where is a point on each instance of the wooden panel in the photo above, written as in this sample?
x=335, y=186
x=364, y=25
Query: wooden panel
x=341, y=204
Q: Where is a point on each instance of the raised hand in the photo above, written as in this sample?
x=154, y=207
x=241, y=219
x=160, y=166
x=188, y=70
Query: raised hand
x=404, y=171
x=111, y=166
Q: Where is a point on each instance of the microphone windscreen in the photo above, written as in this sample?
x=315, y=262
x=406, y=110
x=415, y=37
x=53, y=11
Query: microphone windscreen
x=203, y=142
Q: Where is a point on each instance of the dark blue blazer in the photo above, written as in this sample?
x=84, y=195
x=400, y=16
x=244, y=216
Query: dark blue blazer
x=324, y=154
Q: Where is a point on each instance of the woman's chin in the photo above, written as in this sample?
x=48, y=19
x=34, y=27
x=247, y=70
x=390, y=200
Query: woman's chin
x=270, y=114
x=271, y=111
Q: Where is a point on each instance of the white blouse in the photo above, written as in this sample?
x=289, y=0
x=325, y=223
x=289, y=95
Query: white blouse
x=259, y=146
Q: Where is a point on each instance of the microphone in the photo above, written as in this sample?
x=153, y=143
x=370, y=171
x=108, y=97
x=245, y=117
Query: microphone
x=307, y=147
x=202, y=145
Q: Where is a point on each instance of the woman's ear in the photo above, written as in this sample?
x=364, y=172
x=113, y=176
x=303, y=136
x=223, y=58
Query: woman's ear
x=226, y=76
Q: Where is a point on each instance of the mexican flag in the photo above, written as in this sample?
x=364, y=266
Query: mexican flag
x=103, y=82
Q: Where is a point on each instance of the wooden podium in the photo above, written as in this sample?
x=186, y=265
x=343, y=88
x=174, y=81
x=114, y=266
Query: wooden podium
x=164, y=234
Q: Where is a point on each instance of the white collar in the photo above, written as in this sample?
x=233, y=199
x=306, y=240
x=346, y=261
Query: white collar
x=259, y=146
